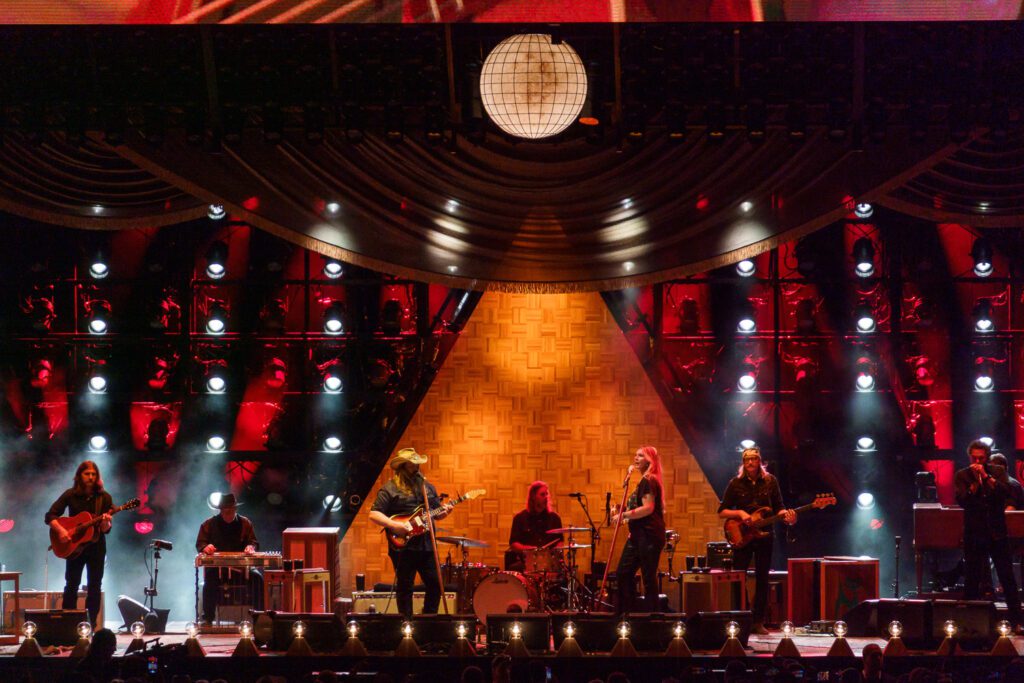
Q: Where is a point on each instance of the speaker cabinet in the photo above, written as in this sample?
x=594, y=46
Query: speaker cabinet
x=871, y=618
x=323, y=631
x=975, y=620
x=56, y=626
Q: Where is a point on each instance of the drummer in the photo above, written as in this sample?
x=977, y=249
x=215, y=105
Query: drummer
x=530, y=528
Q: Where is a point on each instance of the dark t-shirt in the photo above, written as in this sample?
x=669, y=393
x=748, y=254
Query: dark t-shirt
x=651, y=527
x=749, y=496
x=530, y=529
x=985, y=508
x=94, y=503
x=226, y=537
x=392, y=501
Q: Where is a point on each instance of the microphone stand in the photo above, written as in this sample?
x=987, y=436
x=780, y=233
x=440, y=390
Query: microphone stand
x=595, y=534
x=896, y=581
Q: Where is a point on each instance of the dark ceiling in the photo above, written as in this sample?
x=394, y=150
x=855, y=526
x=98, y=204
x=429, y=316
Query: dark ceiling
x=128, y=127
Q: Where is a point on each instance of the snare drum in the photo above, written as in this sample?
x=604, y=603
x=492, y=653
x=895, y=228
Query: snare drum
x=544, y=560
x=504, y=592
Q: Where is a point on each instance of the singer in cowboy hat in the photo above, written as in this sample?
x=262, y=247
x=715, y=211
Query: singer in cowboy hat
x=400, y=496
x=227, y=531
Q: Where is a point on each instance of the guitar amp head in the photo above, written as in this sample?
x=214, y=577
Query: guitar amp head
x=719, y=555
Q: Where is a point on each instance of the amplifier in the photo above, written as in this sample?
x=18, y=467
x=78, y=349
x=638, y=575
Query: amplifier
x=719, y=555
x=39, y=600
x=385, y=603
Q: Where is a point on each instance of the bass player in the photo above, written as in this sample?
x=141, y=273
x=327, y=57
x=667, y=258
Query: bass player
x=753, y=488
x=86, y=495
x=402, y=495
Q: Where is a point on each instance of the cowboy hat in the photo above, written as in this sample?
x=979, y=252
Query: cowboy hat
x=407, y=455
x=227, y=500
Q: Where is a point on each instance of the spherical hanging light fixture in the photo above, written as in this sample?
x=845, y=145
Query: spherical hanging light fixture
x=531, y=87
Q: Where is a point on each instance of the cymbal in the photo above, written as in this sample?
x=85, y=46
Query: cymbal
x=463, y=541
x=572, y=546
x=569, y=530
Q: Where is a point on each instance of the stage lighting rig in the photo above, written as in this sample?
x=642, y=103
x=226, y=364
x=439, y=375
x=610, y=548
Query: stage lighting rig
x=981, y=252
x=217, y=260
x=864, y=257
x=97, y=316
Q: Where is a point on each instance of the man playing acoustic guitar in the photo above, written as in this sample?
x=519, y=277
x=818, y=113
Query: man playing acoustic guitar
x=751, y=489
x=87, y=495
x=402, y=495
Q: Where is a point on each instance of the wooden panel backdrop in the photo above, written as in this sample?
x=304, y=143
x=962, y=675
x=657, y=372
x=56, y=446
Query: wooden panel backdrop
x=539, y=387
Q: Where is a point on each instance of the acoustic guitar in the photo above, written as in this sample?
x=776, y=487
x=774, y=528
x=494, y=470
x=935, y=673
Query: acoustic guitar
x=739, y=534
x=418, y=519
x=82, y=530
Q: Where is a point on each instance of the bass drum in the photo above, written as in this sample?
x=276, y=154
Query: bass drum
x=504, y=592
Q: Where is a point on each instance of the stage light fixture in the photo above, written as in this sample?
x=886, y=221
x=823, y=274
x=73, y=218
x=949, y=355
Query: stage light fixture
x=981, y=252
x=748, y=380
x=688, y=312
x=216, y=212
x=334, y=318
x=747, y=443
x=747, y=323
x=213, y=500
x=1004, y=628
x=746, y=268
x=865, y=444
x=97, y=443
x=840, y=647
x=215, y=379
x=333, y=208
x=865, y=375
x=983, y=316
x=217, y=320
x=97, y=383
x=40, y=310
x=41, y=373
x=157, y=433
x=863, y=210
x=333, y=268
x=895, y=629
x=273, y=315
x=806, y=322
x=983, y=382
x=245, y=646
x=924, y=371
x=865, y=501
x=276, y=373
x=987, y=440
x=217, y=260
x=98, y=312
x=332, y=383
x=332, y=503
x=216, y=444
x=332, y=444
x=864, y=257
x=950, y=628
x=746, y=206
x=865, y=317
x=99, y=269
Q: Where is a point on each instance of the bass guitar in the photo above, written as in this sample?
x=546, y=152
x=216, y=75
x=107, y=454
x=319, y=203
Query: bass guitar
x=82, y=530
x=739, y=534
x=418, y=519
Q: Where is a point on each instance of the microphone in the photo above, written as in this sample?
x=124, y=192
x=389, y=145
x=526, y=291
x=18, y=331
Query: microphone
x=576, y=495
x=160, y=544
x=629, y=473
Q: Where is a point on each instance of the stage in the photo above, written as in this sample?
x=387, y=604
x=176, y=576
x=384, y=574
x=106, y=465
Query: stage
x=219, y=663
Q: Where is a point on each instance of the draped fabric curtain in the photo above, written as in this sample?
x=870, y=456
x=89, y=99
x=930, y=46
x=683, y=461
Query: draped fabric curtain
x=561, y=217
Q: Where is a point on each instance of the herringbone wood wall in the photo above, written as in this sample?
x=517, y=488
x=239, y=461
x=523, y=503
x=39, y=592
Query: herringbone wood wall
x=540, y=387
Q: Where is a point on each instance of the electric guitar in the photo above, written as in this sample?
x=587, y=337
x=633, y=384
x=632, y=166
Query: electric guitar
x=739, y=534
x=418, y=519
x=82, y=530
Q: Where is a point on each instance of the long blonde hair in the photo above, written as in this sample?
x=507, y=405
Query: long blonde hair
x=764, y=468
x=534, y=488
x=405, y=481
x=650, y=453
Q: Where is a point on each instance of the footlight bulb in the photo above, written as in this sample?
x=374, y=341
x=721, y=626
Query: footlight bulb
x=732, y=629
x=138, y=629
x=84, y=629
x=895, y=629
x=787, y=629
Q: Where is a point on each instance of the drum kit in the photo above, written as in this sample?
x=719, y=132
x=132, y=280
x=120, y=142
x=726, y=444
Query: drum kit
x=549, y=581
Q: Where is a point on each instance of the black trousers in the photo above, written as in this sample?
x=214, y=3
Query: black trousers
x=216, y=579
x=760, y=550
x=977, y=551
x=92, y=558
x=407, y=564
x=643, y=554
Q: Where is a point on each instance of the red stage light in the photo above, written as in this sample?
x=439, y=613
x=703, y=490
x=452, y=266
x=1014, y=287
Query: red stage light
x=6, y=525
x=143, y=527
x=877, y=524
x=277, y=373
x=42, y=370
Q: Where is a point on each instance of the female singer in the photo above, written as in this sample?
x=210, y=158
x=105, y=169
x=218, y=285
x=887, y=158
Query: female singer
x=645, y=512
